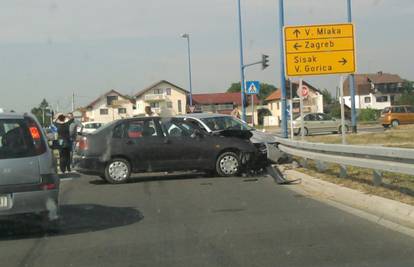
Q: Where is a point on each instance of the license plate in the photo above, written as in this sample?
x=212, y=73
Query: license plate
x=4, y=201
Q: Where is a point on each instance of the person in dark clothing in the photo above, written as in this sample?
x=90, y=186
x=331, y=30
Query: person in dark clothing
x=62, y=124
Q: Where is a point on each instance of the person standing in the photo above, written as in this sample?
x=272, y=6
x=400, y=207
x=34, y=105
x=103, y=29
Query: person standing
x=62, y=124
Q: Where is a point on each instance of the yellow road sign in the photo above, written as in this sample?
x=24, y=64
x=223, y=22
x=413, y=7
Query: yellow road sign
x=319, y=49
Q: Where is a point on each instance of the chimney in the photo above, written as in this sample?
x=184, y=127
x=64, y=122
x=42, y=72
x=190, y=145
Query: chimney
x=380, y=72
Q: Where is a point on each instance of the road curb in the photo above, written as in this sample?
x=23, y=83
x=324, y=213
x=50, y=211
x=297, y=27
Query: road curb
x=389, y=213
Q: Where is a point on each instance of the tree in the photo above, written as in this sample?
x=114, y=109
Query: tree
x=41, y=110
x=265, y=89
x=327, y=97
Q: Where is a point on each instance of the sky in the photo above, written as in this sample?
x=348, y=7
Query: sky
x=54, y=48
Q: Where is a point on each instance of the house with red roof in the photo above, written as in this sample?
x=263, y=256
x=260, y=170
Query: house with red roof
x=312, y=102
x=225, y=103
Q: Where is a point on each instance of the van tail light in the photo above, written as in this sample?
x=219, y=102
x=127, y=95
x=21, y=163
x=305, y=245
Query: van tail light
x=83, y=143
x=35, y=133
x=48, y=186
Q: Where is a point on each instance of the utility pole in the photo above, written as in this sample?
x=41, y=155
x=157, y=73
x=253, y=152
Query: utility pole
x=73, y=101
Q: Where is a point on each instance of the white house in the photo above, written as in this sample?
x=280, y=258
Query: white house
x=108, y=107
x=376, y=91
x=163, y=97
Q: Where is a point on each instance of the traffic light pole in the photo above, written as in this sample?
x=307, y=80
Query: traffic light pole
x=241, y=63
x=282, y=70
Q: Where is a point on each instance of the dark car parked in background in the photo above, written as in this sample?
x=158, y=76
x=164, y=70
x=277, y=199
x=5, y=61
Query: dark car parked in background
x=155, y=144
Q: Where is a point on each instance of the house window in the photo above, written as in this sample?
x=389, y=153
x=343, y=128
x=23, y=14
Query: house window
x=381, y=99
x=277, y=105
x=169, y=104
x=103, y=111
x=168, y=91
x=110, y=99
x=155, y=104
x=158, y=91
x=367, y=99
x=179, y=106
x=122, y=111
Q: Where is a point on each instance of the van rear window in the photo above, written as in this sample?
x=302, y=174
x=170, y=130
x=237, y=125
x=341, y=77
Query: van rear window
x=15, y=139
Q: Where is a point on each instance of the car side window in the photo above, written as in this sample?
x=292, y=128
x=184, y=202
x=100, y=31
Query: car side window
x=141, y=129
x=410, y=109
x=119, y=131
x=398, y=110
x=309, y=117
x=177, y=128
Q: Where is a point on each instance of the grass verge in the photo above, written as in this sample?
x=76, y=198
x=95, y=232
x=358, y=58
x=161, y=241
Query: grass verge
x=395, y=186
x=396, y=137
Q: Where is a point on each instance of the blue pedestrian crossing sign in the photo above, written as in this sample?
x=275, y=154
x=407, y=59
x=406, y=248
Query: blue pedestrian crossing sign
x=252, y=87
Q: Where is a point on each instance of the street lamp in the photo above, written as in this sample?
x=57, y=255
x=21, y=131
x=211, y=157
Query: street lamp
x=187, y=36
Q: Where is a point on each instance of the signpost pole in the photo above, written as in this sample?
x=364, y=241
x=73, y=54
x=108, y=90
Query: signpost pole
x=241, y=63
x=253, y=110
x=352, y=80
x=282, y=70
x=291, y=110
x=302, y=126
x=341, y=93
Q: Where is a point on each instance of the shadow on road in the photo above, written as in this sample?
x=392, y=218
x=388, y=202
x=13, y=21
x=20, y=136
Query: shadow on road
x=69, y=175
x=74, y=219
x=158, y=177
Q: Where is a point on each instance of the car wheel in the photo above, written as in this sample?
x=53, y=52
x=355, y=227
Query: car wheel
x=228, y=164
x=305, y=131
x=395, y=123
x=340, y=129
x=117, y=171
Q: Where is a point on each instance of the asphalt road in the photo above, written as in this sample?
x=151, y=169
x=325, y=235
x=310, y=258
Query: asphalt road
x=190, y=221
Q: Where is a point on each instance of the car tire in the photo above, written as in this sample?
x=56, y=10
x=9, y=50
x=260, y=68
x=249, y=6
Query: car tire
x=395, y=123
x=228, y=164
x=117, y=171
x=340, y=129
x=305, y=131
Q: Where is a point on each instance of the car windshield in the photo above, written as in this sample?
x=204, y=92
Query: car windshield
x=225, y=123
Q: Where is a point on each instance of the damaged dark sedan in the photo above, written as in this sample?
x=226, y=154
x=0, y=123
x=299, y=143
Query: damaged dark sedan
x=155, y=144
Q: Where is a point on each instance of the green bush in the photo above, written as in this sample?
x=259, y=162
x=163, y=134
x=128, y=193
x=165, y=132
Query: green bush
x=368, y=114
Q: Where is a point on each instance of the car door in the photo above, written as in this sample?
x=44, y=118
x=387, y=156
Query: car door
x=310, y=122
x=328, y=124
x=143, y=144
x=187, y=147
x=410, y=114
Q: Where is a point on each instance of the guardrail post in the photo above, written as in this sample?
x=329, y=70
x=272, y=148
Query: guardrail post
x=343, y=171
x=377, y=178
x=321, y=166
x=304, y=163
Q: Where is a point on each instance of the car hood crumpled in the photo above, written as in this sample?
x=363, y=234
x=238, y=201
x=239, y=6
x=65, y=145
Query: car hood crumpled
x=261, y=137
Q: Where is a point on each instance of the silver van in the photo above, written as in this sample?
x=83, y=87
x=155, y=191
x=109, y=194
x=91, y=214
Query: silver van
x=28, y=180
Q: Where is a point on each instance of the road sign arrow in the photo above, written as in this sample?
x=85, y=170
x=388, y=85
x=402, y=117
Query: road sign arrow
x=296, y=32
x=343, y=61
x=297, y=46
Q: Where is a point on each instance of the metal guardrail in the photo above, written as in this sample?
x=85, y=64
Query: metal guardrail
x=398, y=160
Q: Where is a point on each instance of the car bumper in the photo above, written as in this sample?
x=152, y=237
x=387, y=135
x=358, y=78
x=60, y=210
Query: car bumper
x=30, y=202
x=88, y=165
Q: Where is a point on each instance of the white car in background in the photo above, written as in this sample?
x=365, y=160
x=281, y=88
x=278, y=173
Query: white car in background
x=90, y=127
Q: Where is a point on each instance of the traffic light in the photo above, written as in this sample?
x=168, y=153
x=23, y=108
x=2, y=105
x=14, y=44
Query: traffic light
x=265, y=61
